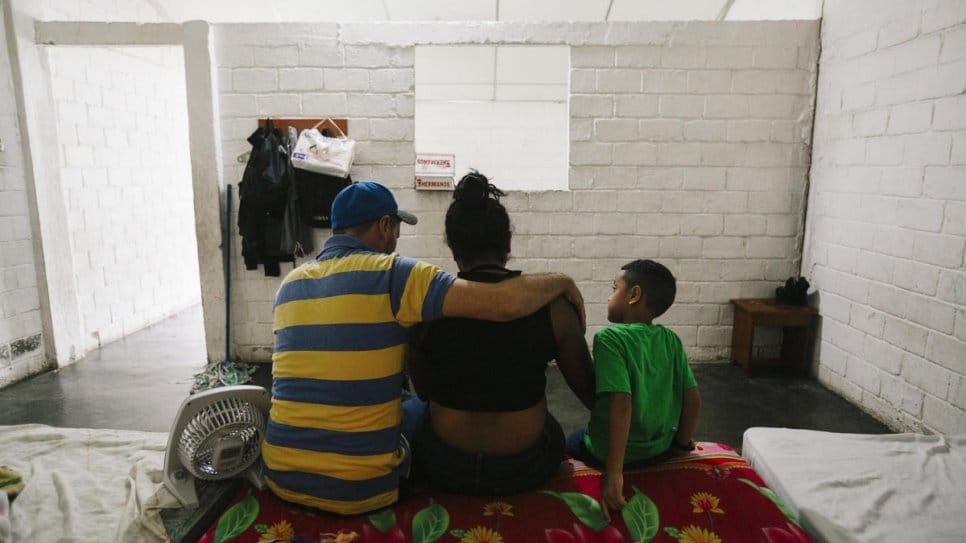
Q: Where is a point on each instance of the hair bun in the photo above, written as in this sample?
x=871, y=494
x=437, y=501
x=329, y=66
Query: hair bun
x=474, y=189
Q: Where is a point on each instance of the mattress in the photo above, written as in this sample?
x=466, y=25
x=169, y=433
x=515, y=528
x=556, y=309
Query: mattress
x=709, y=496
x=859, y=487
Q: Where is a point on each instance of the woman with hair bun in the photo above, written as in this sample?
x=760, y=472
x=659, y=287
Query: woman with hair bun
x=487, y=430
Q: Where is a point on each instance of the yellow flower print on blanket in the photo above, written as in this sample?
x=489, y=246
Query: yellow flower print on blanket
x=281, y=531
x=705, y=502
x=342, y=536
x=497, y=508
x=481, y=534
x=701, y=502
x=697, y=534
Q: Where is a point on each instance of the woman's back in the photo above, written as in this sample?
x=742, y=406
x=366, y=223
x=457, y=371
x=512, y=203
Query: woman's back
x=488, y=430
x=486, y=380
x=476, y=365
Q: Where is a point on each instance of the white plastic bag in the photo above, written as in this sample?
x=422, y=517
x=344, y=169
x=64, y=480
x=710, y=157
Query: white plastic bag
x=320, y=154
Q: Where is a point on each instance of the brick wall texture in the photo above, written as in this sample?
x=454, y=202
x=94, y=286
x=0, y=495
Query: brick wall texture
x=886, y=227
x=122, y=123
x=21, y=349
x=689, y=144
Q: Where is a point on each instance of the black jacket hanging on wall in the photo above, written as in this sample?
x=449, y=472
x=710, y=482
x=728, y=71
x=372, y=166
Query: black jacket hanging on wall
x=268, y=214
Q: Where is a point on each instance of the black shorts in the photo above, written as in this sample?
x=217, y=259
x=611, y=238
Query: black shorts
x=450, y=469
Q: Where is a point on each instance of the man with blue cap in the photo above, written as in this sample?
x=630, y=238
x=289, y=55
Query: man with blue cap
x=338, y=432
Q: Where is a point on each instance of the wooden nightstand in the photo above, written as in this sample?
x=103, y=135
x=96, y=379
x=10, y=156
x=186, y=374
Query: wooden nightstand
x=796, y=324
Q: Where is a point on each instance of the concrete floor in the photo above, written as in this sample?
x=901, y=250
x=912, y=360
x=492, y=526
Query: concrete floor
x=137, y=383
x=732, y=402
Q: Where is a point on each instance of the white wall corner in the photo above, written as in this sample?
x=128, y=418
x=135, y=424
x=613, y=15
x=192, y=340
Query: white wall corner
x=58, y=299
x=204, y=129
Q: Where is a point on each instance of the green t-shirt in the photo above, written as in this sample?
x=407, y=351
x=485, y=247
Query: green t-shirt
x=648, y=362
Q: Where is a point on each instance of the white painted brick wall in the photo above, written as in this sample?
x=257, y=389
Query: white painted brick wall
x=128, y=185
x=885, y=229
x=670, y=158
x=101, y=10
x=21, y=347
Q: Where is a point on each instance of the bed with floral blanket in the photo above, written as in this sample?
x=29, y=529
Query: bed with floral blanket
x=711, y=496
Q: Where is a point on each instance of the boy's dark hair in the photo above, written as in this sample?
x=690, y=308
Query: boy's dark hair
x=477, y=224
x=655, y=280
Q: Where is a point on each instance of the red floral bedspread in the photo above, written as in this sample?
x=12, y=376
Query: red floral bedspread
x=712, y=496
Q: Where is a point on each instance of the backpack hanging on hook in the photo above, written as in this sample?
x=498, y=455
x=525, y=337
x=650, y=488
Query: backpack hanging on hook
x=316, y=193
x=317, y=190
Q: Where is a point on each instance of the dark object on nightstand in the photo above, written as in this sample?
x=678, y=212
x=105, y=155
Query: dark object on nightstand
x=795, y=292
x=796, y=324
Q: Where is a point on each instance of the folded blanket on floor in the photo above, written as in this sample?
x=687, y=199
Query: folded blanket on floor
x=85, y=485
x=712, y=496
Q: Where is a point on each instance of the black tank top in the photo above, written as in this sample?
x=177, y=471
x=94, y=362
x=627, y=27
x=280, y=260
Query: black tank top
x=476, y=365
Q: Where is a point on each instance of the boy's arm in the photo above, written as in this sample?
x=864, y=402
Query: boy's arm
x=619, y=426
x=573, y=357
x=689, y=420
x=510, y=299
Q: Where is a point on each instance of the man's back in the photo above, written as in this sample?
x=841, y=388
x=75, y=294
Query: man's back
x=341, y=325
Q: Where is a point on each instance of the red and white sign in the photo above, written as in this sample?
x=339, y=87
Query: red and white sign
x=427, y=164
x=434, y=182
x=435, y=171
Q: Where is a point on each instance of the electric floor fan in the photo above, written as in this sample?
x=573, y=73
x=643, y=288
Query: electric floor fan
x=217, y=435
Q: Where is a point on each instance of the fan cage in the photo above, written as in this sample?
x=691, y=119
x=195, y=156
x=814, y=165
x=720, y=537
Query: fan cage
x=226, y=418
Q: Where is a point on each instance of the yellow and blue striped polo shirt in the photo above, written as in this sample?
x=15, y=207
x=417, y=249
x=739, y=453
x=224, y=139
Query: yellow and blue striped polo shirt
x=341, y=332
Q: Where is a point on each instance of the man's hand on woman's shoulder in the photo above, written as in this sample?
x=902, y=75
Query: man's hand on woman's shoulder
x=510, y=299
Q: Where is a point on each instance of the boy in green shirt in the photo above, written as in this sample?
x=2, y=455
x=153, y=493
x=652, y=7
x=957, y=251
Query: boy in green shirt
x=647, y=400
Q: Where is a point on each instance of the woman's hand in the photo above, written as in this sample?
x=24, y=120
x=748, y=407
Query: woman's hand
x=612, y=492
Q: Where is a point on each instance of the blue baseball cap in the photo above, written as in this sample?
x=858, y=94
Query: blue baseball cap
x=365, y=201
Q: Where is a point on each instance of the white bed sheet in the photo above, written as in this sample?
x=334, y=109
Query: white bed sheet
x=85, y=485
x=860, y=487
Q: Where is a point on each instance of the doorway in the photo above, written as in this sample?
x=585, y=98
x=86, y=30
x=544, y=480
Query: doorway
x=122, y=126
